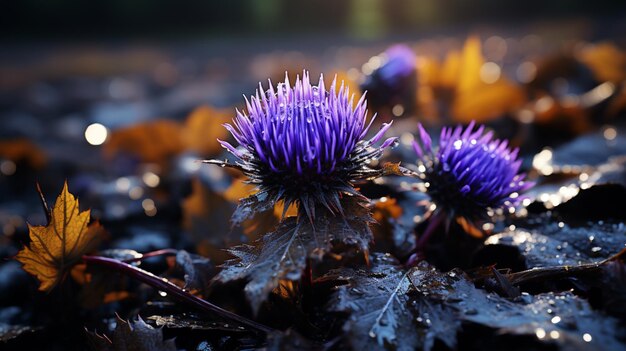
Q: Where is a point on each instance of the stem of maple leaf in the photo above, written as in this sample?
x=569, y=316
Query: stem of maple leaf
x=173, y=290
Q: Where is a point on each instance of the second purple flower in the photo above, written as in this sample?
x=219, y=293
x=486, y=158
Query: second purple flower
x=470, y=172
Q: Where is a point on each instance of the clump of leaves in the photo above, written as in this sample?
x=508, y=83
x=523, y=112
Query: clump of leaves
x=393, y=308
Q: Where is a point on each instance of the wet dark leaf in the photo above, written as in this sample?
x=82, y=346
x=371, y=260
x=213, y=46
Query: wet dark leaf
x=391, y=308
x=377, y=302
x=132, y=336
x=198, y=270
x=8, y=332
x=612, y=285
x=283, y=254
x=253, y=204
x=194, y=323
x=561, y=318
x=291, y=340
x=592, y=149
x=556, y=243
x=606, y=199
x=397, y=217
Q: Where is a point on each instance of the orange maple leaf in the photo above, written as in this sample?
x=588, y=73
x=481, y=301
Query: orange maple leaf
x=56, y=247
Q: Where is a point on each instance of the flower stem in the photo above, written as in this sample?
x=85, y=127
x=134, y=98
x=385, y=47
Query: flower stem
x=161, y=252
x=173, y=290
x=433, y=224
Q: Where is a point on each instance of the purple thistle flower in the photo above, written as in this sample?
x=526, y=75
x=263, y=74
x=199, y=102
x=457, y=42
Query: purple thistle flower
x=470, y=171
x=304, y=144
x=394, y=81
x=399, y=63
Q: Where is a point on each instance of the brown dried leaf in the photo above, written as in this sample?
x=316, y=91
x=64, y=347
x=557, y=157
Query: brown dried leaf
x=56, y=247
x=202, y=129
x=606, y=61
x=206, y=217
x=18, y=150
x=459, y=80
x=154, y=141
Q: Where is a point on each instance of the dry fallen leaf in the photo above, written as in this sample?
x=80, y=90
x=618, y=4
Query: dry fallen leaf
x=206, y=218
x=606, y=61
x=349, y=81
x=160, y=140
x=203, y=127
x=475, y=91
x=56, y=247
x=154, y=142
x=18, y=150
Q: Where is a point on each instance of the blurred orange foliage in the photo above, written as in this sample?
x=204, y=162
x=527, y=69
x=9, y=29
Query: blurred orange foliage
x=22, y=150
x=472, y=89
x=160, y=140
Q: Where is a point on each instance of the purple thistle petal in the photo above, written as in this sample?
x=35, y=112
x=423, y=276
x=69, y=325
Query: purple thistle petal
x=381, y=132
x=388, y=142
x=418, y=149
x=226, y=145
x=425, y=138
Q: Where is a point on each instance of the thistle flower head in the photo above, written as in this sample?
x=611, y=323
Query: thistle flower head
x=470, y=171
x=304, y=144
x=394, y=80
x=399, y=63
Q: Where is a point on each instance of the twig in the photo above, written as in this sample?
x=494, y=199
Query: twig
x=173, y=290
x=44, y=204
x=560, y=271
x=161, y=252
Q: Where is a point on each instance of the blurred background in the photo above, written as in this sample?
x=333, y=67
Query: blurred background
x=121, y=98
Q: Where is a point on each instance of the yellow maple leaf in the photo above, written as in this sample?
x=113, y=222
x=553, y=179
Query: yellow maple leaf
x=56, y=247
